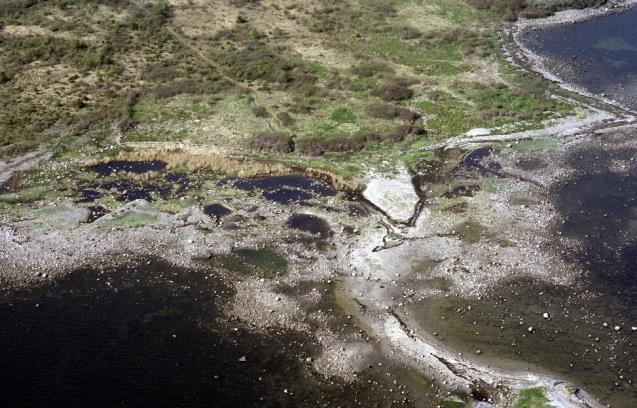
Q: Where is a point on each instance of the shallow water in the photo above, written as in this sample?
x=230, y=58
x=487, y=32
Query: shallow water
x=137, y=167
x=154, y=336
x=216, y=210
x=578, y=341
x=287, y=189
x=124, y=190
x=309, y=223
x=600, y=55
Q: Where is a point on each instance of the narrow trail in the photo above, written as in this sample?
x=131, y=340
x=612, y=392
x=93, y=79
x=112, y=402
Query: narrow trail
x=248, y=89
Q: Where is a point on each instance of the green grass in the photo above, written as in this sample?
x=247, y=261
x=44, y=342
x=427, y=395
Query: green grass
x=28, y=195
x=441, y=59
x=343, y=116
x=492, y=185
x=532, y=398
x=155, y=135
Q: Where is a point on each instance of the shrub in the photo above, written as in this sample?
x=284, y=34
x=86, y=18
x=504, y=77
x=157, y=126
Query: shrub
x=125, y=121
x=285, y=119
x=316, y=147
x=4, y=76
x=260, y=112
x=186, y=87
x=273, y=142
x=369, y=137
x=393, y=92
x=391, y=112
x=369, y=69
x=405, y=132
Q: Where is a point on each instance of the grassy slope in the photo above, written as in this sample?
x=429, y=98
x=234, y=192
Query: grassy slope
x=76, y=72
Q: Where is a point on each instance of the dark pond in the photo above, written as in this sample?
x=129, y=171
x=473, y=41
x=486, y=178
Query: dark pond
x=216, y=210
x=137, y=167
x=474, y=158
x=124, y=190
x=310, y=223
x=154, y=336
x=181, y=182
x=287, y=189
x=97, y=212
x=599, y=55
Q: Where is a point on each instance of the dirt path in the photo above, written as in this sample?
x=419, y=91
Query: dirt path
x=250, y=90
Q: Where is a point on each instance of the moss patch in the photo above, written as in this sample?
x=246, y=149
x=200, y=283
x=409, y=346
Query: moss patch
x=532, y=398
x=266, y=261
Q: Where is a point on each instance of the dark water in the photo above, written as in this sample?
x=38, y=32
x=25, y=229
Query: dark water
x=599, y=54
x=287, y=189
x=97, y=212
x=578, y=341
x=216, y=210
x=125, y=190
x=310, y=223
x=474, y=158
x=137, y=167
x=154, y=336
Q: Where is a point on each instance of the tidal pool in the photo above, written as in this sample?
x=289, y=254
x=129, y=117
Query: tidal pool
x=137, y=167
x=287, y=189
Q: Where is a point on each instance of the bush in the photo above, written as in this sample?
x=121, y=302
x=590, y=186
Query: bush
x=186, y=87
x=391, y=112
x=369, y=69
x=273, y=142
x=317, y=147
x=405, y=132
x=370, y=137
x=4, y=76
x=260, y=112
x=393, y=92
x=285, y=119
x=125, y=121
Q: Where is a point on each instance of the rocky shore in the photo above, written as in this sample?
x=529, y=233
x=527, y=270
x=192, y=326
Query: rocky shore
x=482, y=225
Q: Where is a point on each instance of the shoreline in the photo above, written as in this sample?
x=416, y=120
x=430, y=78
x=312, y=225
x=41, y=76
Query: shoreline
x=183, y=247
x=535, y=63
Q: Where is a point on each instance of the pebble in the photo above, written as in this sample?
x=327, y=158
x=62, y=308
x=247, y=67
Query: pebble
x=617, y=328
x=546, y=315
x=530, y=329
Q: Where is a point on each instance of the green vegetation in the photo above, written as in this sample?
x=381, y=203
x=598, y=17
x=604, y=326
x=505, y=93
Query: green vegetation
x=372, y=82
x=265, y=261
x=531, y=398
x=27, y=195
